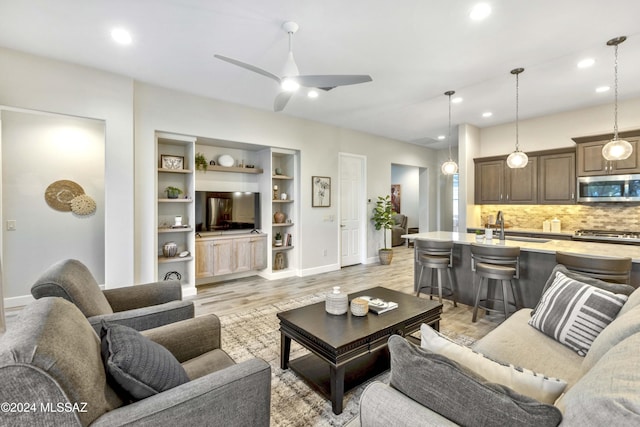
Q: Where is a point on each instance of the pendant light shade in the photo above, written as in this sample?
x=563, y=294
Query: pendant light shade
x=517, y=159
x=449, y=167
x=616, y=149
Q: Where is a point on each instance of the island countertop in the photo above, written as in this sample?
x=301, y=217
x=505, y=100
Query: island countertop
x=541, y=245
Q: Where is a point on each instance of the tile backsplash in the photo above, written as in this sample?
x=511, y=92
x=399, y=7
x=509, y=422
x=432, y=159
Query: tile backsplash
x=601, y=216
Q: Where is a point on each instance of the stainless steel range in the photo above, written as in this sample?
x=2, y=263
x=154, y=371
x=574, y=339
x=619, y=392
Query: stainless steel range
x=608, y=236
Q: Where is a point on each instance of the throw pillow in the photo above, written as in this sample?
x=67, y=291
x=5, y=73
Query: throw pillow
x=458, y=394
x=136, y=365
x=524, y=381
x=573, y=313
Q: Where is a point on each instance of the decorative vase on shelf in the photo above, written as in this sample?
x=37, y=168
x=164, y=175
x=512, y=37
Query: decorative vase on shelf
x=279, y=217
x=337, y=302
x=170, y=249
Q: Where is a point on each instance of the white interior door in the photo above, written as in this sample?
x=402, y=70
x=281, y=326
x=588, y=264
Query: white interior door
x=352, y=208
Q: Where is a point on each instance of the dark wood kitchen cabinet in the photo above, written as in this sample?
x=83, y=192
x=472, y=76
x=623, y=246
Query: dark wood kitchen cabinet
x=548, y=178
x=557, y=178
x=589, y=155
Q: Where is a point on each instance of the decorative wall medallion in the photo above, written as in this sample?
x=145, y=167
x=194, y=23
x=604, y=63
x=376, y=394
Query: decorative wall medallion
x=59, y=194
x=83, y=205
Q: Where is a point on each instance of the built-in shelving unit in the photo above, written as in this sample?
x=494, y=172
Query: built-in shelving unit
x=182, y=177
x=217, y=168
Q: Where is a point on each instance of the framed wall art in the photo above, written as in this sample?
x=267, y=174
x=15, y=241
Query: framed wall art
x=171, y=162
x=320, y=191
x=395, y=197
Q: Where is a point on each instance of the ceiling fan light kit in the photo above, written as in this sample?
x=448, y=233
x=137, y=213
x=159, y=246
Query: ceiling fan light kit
x=616, y=149
x=449, y=167
x=517, y=159
x=291, y=80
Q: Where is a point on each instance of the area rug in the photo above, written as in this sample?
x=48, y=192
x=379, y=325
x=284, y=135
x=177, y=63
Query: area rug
x=255, y=333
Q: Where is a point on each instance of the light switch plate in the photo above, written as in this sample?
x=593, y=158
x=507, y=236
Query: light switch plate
x=11, y=225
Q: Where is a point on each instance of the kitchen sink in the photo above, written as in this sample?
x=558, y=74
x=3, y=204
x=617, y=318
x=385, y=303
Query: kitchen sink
x=527, y=239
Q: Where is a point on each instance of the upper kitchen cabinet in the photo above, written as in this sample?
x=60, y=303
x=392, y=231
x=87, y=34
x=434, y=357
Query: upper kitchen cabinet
x=557, y=178
x=496, y=183
x=489, y=181
x=548, y=178
x=589, y=155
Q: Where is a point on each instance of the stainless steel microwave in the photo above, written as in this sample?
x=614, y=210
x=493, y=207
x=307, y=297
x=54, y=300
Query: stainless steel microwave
x=609, y=188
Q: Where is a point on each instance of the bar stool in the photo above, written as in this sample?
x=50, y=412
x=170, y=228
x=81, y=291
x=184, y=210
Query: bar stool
x=500, y=263
x=608, y=269
x=438, y=256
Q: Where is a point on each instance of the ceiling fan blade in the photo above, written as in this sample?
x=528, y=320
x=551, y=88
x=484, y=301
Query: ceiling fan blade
x=328, y=82
x=281, y=101
x=249, y=67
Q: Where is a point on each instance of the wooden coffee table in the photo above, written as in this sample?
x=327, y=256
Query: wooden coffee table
x=347, y=350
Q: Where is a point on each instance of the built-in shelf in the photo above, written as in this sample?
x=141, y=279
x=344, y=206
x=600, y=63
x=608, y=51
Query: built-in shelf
x=175, y=200
x=282, y=248
x=282, y=177
x=283, y=224
x=165, y=260
x=282, y=201
x=175, y=230
x=217, y=168
x=174, y=170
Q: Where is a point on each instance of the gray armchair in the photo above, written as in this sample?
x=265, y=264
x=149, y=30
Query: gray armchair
x=398, y=229
x=51, y=358
x=139, y=307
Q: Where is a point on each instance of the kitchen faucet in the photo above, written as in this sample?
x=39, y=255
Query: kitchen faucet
x=500, y=220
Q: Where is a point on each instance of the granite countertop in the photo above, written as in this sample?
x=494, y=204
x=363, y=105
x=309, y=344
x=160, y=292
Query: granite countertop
x=550, y=246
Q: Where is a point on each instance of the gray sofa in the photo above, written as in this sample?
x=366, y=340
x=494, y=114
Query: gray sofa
x=51, y=359
x=139, y=307
x=602, y=387
x=398, y=229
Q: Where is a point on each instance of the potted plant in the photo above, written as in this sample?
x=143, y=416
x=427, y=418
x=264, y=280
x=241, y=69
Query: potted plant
x=278, y=239
x=173, y=192
x=479, y=236
x=201, y=162
x=383, y=220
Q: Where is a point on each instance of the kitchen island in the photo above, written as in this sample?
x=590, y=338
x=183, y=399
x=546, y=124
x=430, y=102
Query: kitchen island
x=537, y=259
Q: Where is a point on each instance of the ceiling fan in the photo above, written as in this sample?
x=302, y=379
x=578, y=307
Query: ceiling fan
x=291, y=79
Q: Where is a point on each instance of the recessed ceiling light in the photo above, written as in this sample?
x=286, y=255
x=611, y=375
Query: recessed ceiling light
x=602, y=89
x=586, y=63
x=480, y=11
x=312, y=93
x=457, y=100
x=120, y=35
x=441, y=137
x=487, y=114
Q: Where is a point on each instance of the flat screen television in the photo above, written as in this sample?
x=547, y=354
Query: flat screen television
x=227, y=210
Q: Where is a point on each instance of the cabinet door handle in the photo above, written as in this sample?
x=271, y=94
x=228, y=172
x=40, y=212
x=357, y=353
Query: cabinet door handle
x=573, y=196
x=507, y=197
x=500, y=196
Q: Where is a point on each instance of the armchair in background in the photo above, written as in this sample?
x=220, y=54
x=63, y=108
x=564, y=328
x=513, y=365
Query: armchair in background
x=398, y=229
x=139, y=307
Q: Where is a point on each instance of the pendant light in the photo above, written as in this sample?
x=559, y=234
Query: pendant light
x=517, y=159
x=449, y=167
x=616, y=149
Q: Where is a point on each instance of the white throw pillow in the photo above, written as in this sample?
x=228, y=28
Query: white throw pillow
x=523, y=381
x=574, y=313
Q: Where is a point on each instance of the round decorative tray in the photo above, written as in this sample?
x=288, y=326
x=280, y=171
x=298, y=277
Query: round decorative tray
x=226, y=160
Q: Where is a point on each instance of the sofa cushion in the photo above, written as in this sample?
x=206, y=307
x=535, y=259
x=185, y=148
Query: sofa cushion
x=523, y=381
x=607, y=395
x=633, y=301
x=574, y=313
x=621, y=328
x=460, y=395
x=513, y=340
x=137, y=365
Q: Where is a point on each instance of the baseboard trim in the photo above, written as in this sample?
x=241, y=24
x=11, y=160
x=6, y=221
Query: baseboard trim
x=20, y=301
x=319, y=270
x=372, y=260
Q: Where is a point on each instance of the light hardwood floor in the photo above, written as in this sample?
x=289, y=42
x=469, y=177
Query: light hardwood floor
x=243, y=294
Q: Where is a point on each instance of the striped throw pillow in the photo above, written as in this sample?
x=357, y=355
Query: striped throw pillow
x=573, y=313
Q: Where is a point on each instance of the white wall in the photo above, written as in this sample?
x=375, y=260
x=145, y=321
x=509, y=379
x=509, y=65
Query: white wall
x=319, y=144
x=38, y=150
x=409, y=179
x=556, y=131
x=37, y=83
